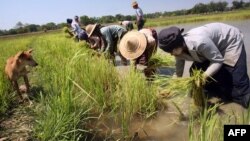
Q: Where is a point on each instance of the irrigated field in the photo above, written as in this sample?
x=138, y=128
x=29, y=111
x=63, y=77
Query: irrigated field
x=79, y=96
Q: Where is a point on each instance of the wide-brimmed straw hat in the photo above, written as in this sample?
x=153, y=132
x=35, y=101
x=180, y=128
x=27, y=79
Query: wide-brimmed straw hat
x=90, y=29
x=133, y=44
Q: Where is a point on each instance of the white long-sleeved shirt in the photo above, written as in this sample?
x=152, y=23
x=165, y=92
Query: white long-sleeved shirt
x=76, y=28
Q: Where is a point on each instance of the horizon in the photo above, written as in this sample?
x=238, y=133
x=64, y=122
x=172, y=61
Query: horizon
x=57, y=11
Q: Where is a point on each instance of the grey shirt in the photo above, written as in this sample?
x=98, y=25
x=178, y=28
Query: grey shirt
x=112, y=34
x=216, y=42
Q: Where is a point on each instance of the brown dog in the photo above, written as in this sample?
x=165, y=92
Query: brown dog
x=16, y=67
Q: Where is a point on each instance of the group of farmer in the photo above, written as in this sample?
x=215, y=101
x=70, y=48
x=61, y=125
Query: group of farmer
x=216, y=48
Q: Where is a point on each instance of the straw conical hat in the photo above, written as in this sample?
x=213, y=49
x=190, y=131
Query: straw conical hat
x=134, y=3
x=90, y=29
x=133, y=44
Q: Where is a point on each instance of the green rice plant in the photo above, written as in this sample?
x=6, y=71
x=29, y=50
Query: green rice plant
x=160, y=60
x=5, y=97
x=63, y=109
x=61, y=117
x=197, y=83
x=224, y=16
x=96, y=76
x=67, y=33
x=207, y=127
x=172, y=86
x=245, y=117
x=134, y=96
x=192, y=85
x=209, y=124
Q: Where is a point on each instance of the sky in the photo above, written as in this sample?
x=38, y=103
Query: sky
x=44, y=11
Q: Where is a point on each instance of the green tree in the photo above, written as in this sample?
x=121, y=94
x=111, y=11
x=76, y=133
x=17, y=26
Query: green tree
x=84, y=20
x=51, y=26
x=119, y=17
x=107, y=19
x=32, y=28
x=19, y=25
x=200, y=8
x=237, y=4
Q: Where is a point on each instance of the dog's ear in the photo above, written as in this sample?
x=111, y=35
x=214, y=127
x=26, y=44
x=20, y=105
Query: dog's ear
x=20, y=54
x=30, y=51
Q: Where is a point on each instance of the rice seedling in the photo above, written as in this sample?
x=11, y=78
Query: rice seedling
x=160, y=60
x=207, y=126
x=5, y=97
x=134, y=96
x=197, y=83
x=67, y=32
x=193, y=85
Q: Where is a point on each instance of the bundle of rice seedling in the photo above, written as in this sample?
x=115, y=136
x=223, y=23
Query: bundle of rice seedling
x=184, y=85
x=159, y=60
x=197, y=82
x=156, y=61
x=67, y=32
x=172, y=86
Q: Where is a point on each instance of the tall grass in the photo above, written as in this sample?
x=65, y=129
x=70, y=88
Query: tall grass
x=72, y=86
x=207, y=127
x=134, y=97
x=91, y=83
x=5, y=97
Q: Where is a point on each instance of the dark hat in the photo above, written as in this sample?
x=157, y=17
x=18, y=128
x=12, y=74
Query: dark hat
x=69, y=21
x=170, y=38
x=76, y=17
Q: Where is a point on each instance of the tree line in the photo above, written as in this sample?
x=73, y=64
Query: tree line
x=199, y=8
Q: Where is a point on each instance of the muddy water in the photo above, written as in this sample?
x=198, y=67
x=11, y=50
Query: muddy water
x=167, y=126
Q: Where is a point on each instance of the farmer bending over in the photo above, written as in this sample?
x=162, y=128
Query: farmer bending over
x=105, y=39
x=139, y=47
x=76, y=29
x=217, y=49
x=128, y=25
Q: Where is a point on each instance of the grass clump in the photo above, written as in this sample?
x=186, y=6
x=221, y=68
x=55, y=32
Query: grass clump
x=134, y=97
x=208, y=125
x=5, y=97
